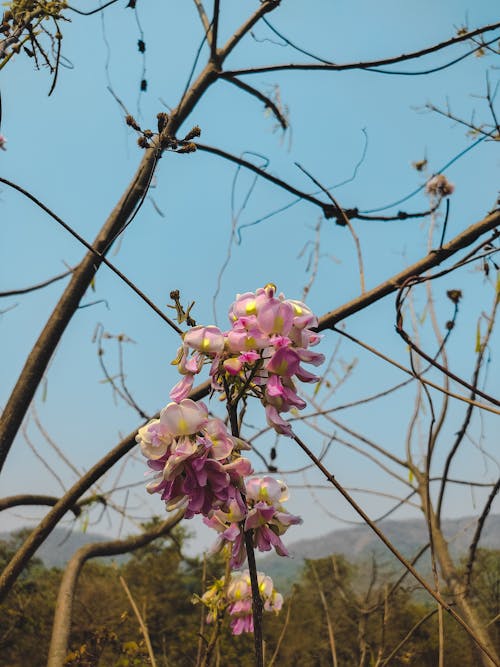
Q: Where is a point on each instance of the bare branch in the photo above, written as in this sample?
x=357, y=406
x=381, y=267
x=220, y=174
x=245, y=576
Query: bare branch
x=478, y=641
x=268, y=103
x=64, y=605
x=26, y=499
x=265, y=7
x=330, y=66
x=48, y=523
x=464, y=239
x=477, y=533
x=37, y=286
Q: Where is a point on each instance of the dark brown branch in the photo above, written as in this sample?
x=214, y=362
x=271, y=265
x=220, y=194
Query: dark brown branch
x=25, y=499
x=215, y=31
x=400, y=215
x=32, y=288
x=327, y=321
x=408, y=636
x=328, y=209
x=66, y=502
x=394, y=551
x=268, y=103
x=327, y=65
x=265, y=7
x=477, y=533
x=459, y=436
x=449, y=374
x=98, y=256
x=64, y=605
x=69, y=302
x=464, y=239
x=92, y=11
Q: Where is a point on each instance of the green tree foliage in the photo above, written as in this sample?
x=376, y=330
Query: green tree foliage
x=366, y=626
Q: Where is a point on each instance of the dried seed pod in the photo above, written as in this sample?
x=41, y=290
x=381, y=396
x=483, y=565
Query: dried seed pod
x=187, y=148
x=130, y=120
x=195, y=132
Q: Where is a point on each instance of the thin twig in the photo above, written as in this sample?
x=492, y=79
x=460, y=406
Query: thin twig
x=328, y=65
x=346, y=221
x=393, y=549
x=140, y=620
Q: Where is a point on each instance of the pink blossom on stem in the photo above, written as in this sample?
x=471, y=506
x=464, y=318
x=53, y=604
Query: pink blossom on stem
x=208, y=340
x=184, y=418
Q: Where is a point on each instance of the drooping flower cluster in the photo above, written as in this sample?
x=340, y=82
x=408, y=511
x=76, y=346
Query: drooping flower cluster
x=264, y=515
x=236, y=596
x=261, y=355
x=197, y=464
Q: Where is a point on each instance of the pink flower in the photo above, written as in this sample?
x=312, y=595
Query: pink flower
x=233, y=365
x=267, y=489
x=245, y=340
x=276, y=422
x=302, y=315
x=208, y=340
x=275, y=317
x=181, y=390
x=154, y=439
x=285, y=361
x=184, y=418
x=3, y=141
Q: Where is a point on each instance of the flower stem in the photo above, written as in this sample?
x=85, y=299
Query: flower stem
x=257, y=607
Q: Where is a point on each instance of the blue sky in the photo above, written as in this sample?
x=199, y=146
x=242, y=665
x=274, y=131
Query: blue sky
x=76, y=154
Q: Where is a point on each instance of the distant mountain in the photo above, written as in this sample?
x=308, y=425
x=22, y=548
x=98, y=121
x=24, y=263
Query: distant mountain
x=361, y=544
x=356, y=544
x=61, y=544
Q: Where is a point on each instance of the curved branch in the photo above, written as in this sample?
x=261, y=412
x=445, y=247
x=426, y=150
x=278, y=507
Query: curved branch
x=477, y=533
x=268, y=103
x=32, y=288
x=434, y=258
x=25, y=499
x=328, y=209
x=92, y=11
x=405, y=336
x=478, y=641
x=265, y=7
x=468, y=414
x=328, y=65
x=132, y=198
x=49, y=522
x=326, y=322
x=408, y=636
x=64, y=604
x=415, y=375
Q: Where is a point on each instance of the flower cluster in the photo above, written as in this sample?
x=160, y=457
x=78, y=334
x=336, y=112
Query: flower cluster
x=3, y=141
x=261, y=355
x=264, y=515
x=197, y=464
x=236, y=596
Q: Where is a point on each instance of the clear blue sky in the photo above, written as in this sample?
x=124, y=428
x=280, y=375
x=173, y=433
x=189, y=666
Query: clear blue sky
x=75, y=153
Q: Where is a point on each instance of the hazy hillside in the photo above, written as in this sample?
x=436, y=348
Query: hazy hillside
x=61, y=544
x=361, y=543
x=358, y=543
